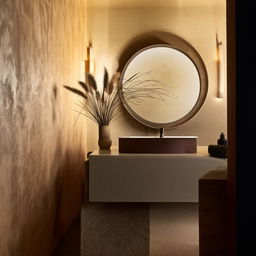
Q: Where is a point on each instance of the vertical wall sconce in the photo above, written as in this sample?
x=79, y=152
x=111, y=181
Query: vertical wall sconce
x=90, y=64
x=219, y=64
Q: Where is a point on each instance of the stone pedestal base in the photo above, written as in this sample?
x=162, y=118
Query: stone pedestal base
x=115, y=229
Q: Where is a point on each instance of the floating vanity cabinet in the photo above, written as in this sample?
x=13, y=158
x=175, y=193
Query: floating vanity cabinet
x=116, y=219
x=117, y=177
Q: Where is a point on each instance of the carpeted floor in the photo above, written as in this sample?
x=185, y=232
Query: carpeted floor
x=173, y=232
x=174, y=229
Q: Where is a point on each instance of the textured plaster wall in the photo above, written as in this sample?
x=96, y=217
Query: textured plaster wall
x=114, y=25
x=41, y=151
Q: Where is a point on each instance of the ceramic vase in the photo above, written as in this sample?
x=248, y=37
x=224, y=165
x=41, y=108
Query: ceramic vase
x=104, y=141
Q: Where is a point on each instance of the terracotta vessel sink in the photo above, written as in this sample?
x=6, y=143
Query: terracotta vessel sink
x=158, y=145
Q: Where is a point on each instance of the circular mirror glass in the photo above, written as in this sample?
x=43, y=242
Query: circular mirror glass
x=170, y=82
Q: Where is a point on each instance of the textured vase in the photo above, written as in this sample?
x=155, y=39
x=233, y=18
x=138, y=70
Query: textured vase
x=104, y=141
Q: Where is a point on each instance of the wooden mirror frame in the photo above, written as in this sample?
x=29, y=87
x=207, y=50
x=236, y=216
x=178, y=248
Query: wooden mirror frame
x=184, y=47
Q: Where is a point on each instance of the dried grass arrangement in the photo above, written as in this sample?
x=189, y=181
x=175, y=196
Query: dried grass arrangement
x=104, y=106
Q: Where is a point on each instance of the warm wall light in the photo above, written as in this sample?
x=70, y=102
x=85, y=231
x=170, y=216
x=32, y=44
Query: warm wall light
x=82, y=70
x=90, y=64
x=219, y=64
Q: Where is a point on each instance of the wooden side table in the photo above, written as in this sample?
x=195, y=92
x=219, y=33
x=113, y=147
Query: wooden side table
x=213, y=213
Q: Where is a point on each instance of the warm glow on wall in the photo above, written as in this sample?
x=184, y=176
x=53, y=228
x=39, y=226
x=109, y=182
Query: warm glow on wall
x=219, y=64
x=82, y=70
x=90, y=63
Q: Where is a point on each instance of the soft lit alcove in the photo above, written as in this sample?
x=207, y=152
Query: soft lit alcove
x=113, y=27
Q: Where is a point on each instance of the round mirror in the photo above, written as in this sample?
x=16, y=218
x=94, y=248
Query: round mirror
x=172, y=81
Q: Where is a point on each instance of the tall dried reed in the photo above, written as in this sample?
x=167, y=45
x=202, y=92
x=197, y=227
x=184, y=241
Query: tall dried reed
x=104, y=106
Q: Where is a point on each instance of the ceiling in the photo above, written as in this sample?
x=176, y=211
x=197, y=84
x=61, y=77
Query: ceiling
x=154, y=3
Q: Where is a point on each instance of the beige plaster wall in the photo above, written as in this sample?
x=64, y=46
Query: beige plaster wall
x=41, y=150
x=114, y=25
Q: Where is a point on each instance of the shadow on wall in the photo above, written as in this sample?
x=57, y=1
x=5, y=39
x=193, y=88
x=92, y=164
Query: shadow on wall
x=53, y=191
x=41, y=231
x=70, y=179
x=54, y=99
x=71, y=175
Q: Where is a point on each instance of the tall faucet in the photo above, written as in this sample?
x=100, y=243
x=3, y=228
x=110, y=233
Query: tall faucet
x=161, y=132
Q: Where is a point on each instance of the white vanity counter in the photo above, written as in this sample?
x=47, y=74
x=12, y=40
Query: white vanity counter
x=118, y=177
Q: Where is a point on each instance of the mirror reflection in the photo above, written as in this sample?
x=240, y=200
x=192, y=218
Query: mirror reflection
x=178, y=76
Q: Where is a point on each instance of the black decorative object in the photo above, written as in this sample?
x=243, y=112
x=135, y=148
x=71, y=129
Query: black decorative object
x=222, y=140
x=219, y=150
